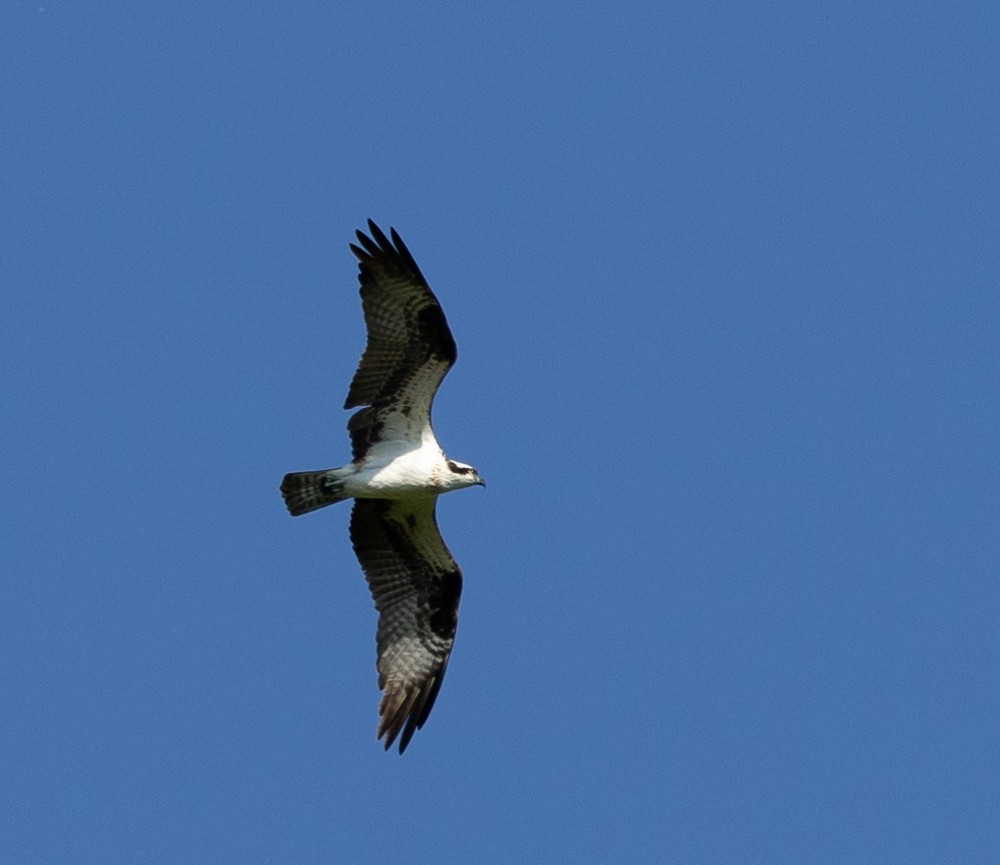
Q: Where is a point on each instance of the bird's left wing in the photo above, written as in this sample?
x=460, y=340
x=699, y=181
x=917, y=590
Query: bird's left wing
x=416, y=585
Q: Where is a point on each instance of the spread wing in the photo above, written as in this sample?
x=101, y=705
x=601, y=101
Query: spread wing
x=410, y=347
x=415, y=584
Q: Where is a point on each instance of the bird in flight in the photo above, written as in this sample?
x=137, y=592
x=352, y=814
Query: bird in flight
x=397, y=472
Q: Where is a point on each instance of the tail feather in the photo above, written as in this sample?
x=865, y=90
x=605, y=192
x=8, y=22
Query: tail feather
x=308, y=491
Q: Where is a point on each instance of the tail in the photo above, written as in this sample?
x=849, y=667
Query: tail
x=308, y=491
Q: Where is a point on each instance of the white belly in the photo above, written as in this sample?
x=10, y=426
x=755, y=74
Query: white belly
x=414, y=472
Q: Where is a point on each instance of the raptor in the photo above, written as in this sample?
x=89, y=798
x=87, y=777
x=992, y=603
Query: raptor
x=395, y=476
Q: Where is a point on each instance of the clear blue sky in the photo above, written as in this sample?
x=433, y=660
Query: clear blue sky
x=726, y=286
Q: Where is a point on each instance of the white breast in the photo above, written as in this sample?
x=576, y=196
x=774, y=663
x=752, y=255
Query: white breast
x=393, y=472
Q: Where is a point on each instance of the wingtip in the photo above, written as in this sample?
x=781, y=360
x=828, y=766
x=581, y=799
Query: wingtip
x=402, y=713
x=374, y=243
x=404, y=741
x=389, y=737
x=378, y=251
x=379, y=236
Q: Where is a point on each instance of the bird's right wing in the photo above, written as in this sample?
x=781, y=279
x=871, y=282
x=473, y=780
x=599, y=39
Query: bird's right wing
x=409, y=349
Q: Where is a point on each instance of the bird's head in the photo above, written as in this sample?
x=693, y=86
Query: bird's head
x=463, y=475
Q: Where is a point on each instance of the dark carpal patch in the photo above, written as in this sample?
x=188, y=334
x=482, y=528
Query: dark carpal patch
x=439, y=592
x=432, y=325
x=443, y=602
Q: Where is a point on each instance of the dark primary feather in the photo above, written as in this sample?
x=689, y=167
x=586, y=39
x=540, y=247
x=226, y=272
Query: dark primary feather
x=416, y=586
x=410, y=347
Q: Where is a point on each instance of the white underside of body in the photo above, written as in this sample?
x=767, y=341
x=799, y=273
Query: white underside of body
x=396, y=469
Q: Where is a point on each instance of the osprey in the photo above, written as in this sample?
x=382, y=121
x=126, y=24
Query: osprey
x=397, y=472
